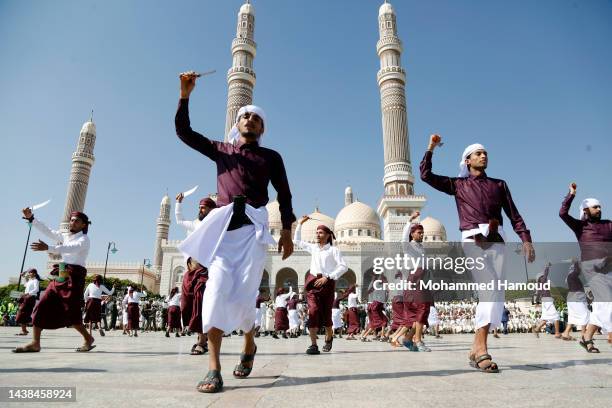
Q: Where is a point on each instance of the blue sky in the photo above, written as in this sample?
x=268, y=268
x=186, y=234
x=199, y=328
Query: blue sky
x=530, y=80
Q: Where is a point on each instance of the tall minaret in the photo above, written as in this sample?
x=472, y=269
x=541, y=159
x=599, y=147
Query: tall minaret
x=399, y=200
x=82, y=161
x=241, y=76
x=163, y=225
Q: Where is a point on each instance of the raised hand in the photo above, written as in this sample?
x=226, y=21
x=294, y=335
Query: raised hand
x=188, y=82
x=434, y=141
x=572, y=189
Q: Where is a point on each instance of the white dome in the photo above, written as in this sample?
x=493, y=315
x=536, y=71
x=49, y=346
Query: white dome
x=247, y=8
x=89, y=127
x=274, y=215
x=165, y=200
x=433, y=230
x=354, y=218
x=385, y=8
x=309, y=228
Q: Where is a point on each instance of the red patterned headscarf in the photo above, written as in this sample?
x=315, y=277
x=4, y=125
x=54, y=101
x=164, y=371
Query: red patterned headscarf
x=330, y=232
x=208, y=202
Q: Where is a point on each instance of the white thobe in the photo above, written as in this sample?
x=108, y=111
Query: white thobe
x=189, y=226
x=73, y=248
x=235, y=261
x=93, y=291
x=326, y=260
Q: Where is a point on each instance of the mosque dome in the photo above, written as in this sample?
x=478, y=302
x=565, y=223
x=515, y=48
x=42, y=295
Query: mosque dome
x=274, y=216
x=247, y=8
x=309, y=228
x=385, y=8
x=357, y=222
x=433, y=230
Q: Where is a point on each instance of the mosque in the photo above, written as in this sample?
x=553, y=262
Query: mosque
x=358, y=227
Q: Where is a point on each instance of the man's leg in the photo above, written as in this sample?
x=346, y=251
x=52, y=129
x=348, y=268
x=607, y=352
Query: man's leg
x=312, y=331
x=557, y=333
x=83, y=332
x=34, y=345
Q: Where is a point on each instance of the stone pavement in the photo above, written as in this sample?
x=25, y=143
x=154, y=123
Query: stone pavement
x=152, y=370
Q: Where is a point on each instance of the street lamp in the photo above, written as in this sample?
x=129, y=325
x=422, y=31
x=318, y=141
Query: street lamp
x=146, y=262
x=25, y=252
x=108, y=249
x=518, y=251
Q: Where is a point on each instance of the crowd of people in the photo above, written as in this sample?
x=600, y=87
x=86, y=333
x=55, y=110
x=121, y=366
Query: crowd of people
x=226, y=251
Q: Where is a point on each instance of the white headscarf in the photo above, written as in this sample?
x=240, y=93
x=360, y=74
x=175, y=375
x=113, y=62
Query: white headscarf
x=234, y=134
x=463, y=168
x=587, y=203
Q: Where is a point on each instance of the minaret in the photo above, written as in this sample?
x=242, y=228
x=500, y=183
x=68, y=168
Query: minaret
x=398, y=201
x=163, y=225
x=348, y=196
x=241, y=76
x=82, y=161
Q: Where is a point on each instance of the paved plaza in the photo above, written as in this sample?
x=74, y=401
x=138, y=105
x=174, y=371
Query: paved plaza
x=152, y=370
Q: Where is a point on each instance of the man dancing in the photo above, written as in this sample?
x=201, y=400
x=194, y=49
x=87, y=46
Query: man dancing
x=352, y=313
x=326, y=267
x=27, y=301
x=480, y=200
x=549, y=312
x=60, y=305
x=577, y=305
x=233, y=240
x=595, y=239
x=206, y=205
x=93, y=302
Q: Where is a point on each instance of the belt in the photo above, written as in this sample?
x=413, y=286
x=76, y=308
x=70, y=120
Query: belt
x=239, y=217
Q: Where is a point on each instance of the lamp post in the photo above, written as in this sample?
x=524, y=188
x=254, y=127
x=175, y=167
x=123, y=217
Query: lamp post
x=519, y=250
x=108, y=249
x=146, y=262
x=24, y=254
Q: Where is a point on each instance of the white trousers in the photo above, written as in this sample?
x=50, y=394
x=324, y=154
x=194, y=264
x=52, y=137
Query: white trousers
x=600, y=285
x=258, y=317
x=549, y=312
x=233, y=282
x=577, y=310
x=490, y=302
x=294, y=319
x=336, y=318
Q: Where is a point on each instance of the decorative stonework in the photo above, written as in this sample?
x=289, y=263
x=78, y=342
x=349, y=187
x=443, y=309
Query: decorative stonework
x=82, y=162
x=241, y=75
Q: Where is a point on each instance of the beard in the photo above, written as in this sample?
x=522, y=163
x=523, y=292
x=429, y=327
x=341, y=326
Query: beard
x=201, y=216
x=595, y=217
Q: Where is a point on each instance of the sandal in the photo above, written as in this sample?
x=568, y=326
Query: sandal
x=422, y=347
x=213, y=377
x=584, y=343
x=475, y=362
x=313, y=349
x=85, y=348
x=328, y=345
x=198, y=350
x=569, y=338
x=25, y=349
x=241, y=369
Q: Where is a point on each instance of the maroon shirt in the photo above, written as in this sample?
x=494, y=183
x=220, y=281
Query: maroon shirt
x=242, y=169
x=574, y=284
x=260, y=300
x=479, y=199
x=336, y=304
x=591, y=235
x=292, y=304
x=543, y=279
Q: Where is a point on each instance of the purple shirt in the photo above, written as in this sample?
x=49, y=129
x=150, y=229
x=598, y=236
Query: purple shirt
x=292, y=304
x=479, y=199
x=574, y=284
x=590, y=234
x=242, y=169
x=260, y=300
x=543, y=279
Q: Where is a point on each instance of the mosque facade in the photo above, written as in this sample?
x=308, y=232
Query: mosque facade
x=357, y=226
